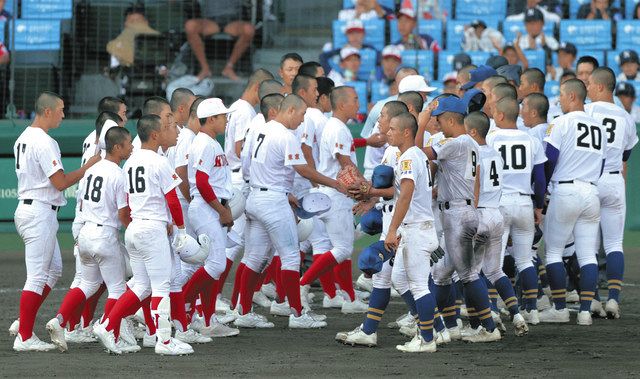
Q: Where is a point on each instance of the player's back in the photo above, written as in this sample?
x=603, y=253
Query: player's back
x=414, y=164
x=102, y=193
x=520, y=152
x=336, y=139
x=490, y=177
x=240, y=116
x=206, y=155
x=620, y=131
x=457, y=159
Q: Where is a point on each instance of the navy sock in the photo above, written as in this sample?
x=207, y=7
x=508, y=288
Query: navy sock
x=493, y=294
x=529, y=280
x=477, y=291
x=410, y=301
x=542, y=272
x=378, y=301
x=425, y=306
x=557, y=282
x=588, y=282
x=474, y=321
x=447, y=304
x=508, y=295
x=615, y=271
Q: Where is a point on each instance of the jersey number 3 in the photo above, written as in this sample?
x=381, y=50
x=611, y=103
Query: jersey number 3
x=136, y=180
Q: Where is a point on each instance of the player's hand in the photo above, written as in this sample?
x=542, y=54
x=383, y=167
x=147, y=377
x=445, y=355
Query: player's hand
x=551, y=70
x=518, y=36
x=93, y=160
x=363, y=207
x=537, y=215
x=436, y=255
x=392, y=241
x=225, y=217
x=293, y=201
x=169, y=229
x=180, y=238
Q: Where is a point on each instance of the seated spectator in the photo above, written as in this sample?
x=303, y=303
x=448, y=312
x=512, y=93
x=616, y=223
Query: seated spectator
x=535, y=39
x=598, y=10
x=535, y=4
x=122, y=47
x=626, y=92
x=289, y=65
x=567, y=54
x=407, y=22
x=391, y=61
x=477, y=37
x=349, y=63
x=460, y=61
x=629, y=66
x=514, y=55
x=217, y=18
x=636, y=12
x=4, y=14
x=354, y=30
x=5, y=57
x=364, y=10
x=449, y=83
x=431, y=10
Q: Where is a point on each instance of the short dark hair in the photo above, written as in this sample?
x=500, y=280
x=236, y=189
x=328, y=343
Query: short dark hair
x=309, y=68
x=115, y=136
x=567, y=74
x=395, y=107
x=146, y=125
x=193, y=110
x=325, y=86
x=179, y=97
x=135, y=8
x=535, y=76
x=338, y=95
x=494, y=80
x=257, y=77
x=104, y=116
x=575, y=86
x=269, y=102
x=538, y=102
x=293, y=56
x=604, y=75
x=412, y=98
x=479, y=121
x=407, y=120
x=509, y=107
x=268, y=87
x=154, y=105
x=301, y=82
x=292, y=101
x=46, y=99
x=503, y=90
x=588, y=59
x=110, y=103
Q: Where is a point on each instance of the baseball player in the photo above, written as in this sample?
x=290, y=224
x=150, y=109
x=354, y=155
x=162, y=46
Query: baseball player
x=151, y=186
x=272, y=157
x=576, y=146
x=103, y=205
x=457, y=156
x=106, y=104
x=621, y=138
x=41, y=180
x=534, y=110
x=523, y=164
x=159, y=106
x=490, y=219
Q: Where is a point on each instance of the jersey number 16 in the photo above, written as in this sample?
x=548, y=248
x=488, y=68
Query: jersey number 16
x=136, y=178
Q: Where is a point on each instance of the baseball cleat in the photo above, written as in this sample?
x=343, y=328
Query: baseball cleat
x=305, y=296
x=139, y=316
x=149, y=340
x=584, y=318
x=216, y=329
x=126, y=333
x=408, y=331
x=612, y=308
x=498, y=321
x=332, y=302
x=543, y=303
x=171, y=347
x=305, y=321
x=269, y=290
x=226, y=318
x=56, y=332
x=14, y=328
x=252, y=320
x=197, y=322
x=361, y=338
x=520, y=325
x=554, y=315
x=32, y=344
x=191, y=336
x=127, y=348
x=396, y=324
x=362, y=295
x=531, y=317
x=310, y=297
x=107, y=338
x=364, y=283
x=455, y=333
x=355, y=306
x=79, y=336
x=418, y=345
x=442, y=337
x=597, y=310
x=468, y=331
x=222, y=304
x=342, y=336
x=260, y=299
x=573, y=297
x=483, y=335
x=280, y=309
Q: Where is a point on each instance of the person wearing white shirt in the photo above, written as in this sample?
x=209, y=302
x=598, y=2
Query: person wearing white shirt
x=478, y=37
x=535, y=39
x=534, y=115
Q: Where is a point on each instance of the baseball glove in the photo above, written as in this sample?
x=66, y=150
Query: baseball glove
x=349, y=177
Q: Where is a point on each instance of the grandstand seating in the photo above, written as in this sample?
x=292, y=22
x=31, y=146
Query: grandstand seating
x=486, y=10
x=511, y=28
x=628, y=34
x=588, y=34
x=455, y=32
x=47, y=9
x=421, y=60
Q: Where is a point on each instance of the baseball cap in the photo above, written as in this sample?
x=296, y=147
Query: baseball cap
x=371, y=222
x=212, y=106
x=414, y=83
x=453, y=75
x=474, y=100
x=479, y=74
x=625, y=89
x=568, y=48
x=407, y=12
x=382, y=176
x=354, y=25
x=628, y=56
x=533, y=14
x=496, y=61
x=394, y=51
x=476, y=23
x=313, y=204
x=511, y=72
x=373, y=257
x=449, y=104
x=461, y=60
x=348, y=51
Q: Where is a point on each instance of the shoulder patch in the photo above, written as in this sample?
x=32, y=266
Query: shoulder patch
x=443, y=141
x=405, y=165
x=549, y=129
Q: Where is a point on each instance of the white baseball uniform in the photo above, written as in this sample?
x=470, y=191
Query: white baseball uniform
x=373, y=156
x=239, y=121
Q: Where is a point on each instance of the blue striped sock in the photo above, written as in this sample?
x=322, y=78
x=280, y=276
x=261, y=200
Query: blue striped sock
x=615, y=271
x=477, y=291
x=426, y=305
x=447, y=304
x=410, y=301
x=529, y=280
x=508, y=295
x=557, y=281
x=588, y=283
x=378, y=301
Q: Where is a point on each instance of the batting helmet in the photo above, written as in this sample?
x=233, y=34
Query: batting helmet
x=194, y=251
x=237, y=203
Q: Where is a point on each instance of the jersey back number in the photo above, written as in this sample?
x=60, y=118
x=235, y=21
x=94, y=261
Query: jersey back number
x=136, y=180
x=588, y=137
x=93, y=188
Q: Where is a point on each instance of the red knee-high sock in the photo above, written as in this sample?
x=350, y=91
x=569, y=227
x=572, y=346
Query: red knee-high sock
x=29, y=303
x=270, y=272
x=248, y=284
x=46, y=290
x=108, y=307
x=73, y=300
x=291, y=284
x=261, y=281
x=208, y=296
x=148, y=318
x=237, y=283
x=90, y=306
x=327, y=280
x=323, y=263
x=126, y=305
x=178, y=314
x=223, y=276
x=280, y=288
x=343, y=274
x=199, y=279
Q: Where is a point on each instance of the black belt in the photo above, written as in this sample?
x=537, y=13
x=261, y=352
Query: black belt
x=447, y=205
x=30, y=201
x=235, y=170
x=614, y=172
x=268, y=189
x=570, y=182
x=387, y=208
x=480, y=207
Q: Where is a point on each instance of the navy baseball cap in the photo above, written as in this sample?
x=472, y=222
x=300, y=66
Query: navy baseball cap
x=449, y=104
x=511, y=72
x=313, y=204
x=496, y=61
x=373, y=257
x=479, y=74
x=371, y=222
x=474, y=100
x=382, y=176
x=625, y=89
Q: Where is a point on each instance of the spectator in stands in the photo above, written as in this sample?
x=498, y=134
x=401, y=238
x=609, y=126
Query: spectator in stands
x=349, y=64
x=216, y=18
x=598, y=10
x=364, y=10
x=289, y=65
x=312, y=69
x=391, y=61
x=535, y=38
x=585, y=66
x=122, y=47
x=626, y=92
x=514, y=55
x=478, y=37
x=407, y=22
x=431, y=10
x=354, y=30
x=636, y=12
x=629, y=66
x=4, y=14
x=449, y=83
x=567, y=54
x=535, y=4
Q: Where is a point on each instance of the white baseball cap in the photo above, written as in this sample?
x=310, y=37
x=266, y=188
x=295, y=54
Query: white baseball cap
x=414, y=83
x=394, y=51
x=212, y=106
x=346, y=52
x=354, y=25
x=408, y=12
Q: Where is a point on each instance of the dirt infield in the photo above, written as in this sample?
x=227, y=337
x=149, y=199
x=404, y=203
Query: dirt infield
x=607, y=348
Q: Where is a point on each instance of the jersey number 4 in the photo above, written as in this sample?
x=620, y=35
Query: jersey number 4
x=136, y=180
x=96, y=192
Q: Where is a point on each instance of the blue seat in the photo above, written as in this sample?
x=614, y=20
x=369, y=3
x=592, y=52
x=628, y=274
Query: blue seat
x=368, y=60
x=430, y=27
x=511, y=28
x=445, y=60
x=574, y=5
x=537, y=59
x=47, y=9
x=630, y=5
x=421, y=60
x=37, y=35
x=379, y=91
x=361, y=90
x=613, y=61
x=391, y=4
x=552, y=88
x=2, y=29
x=455, y=32
x=373, y=33
x=628, y=36
x=481, y=9
x=587, y=34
